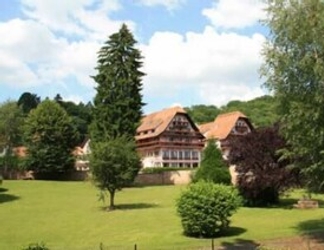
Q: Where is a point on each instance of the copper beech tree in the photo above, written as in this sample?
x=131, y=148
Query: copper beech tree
x=262, y=174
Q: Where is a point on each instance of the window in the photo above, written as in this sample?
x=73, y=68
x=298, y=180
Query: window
x=174, y=154
x=165, y=154
x=195, y=155
x=180, y=155
x=187, y=154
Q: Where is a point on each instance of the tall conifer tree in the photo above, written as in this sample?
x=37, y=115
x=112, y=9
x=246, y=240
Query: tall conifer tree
x=118, y=102
x=116, y=113
x=213, y=166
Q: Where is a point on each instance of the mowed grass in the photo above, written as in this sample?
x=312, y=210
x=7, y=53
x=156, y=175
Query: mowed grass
x=68, y=215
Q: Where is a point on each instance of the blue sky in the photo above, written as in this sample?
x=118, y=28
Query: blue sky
x=195, y=51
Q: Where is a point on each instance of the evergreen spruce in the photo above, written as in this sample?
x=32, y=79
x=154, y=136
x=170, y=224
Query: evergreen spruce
x=116, y=113
x=213, y=167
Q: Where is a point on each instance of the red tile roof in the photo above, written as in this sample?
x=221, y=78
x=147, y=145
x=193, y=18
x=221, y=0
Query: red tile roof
x=155, y=123
x=222, y=126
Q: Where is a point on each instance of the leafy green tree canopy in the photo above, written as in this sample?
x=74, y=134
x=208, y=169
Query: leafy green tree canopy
x=294, y=71
x=114, y=165
x=49, y=136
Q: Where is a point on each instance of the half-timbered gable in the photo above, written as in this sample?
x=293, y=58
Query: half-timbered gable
x=224, y=126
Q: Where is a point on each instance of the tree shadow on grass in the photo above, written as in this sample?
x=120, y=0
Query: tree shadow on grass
x=7, y=197
x=229, y=232
x=287, y=203
x=284, y=203
x=239, y=244
x=232, y=231
x=131, y=206
x=135, y=206
x=2, y=190
x=312, y=229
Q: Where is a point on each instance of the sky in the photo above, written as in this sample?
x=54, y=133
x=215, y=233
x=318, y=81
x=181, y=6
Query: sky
x=194, y=51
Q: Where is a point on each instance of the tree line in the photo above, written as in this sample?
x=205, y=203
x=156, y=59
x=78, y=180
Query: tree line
x=261, y=111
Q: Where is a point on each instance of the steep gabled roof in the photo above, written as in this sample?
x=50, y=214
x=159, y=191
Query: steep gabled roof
x=222, y=126
x=204, y=128
x=155, y=123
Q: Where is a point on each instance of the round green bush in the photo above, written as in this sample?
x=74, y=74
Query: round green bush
x=205, y=208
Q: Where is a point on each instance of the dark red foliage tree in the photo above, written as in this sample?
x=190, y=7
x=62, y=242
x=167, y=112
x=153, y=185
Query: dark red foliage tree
x=262, y=174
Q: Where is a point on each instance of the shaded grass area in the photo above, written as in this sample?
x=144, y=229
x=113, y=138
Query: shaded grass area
x=4, y=197
x=68, y=215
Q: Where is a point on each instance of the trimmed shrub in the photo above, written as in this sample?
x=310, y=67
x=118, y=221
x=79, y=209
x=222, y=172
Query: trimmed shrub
x=205, y=208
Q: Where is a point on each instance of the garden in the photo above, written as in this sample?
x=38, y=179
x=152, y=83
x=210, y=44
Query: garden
x=70, y=215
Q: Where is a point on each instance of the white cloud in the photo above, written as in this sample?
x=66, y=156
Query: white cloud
x=235, y=13
x=220, y=66
x=15, y=73
x=37, y=52
x=53, y=15
x=21, y=42
x=169, y=4
x=218, y=94
x=74, y=98
x=27, y=61
x=87, y=19
x=22, y=55
x=79, y=59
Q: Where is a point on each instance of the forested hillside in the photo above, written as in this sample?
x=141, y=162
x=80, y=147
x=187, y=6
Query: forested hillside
x=261, y=111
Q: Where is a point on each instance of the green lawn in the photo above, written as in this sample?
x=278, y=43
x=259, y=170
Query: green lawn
x=68, y=215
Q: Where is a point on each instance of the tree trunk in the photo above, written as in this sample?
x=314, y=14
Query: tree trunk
x=112, y=200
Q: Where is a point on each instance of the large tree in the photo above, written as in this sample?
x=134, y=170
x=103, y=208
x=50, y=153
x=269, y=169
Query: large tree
x=49, y=136
x=114, y=165
x=262, y=173
x=294, y=71
x=116, y=113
